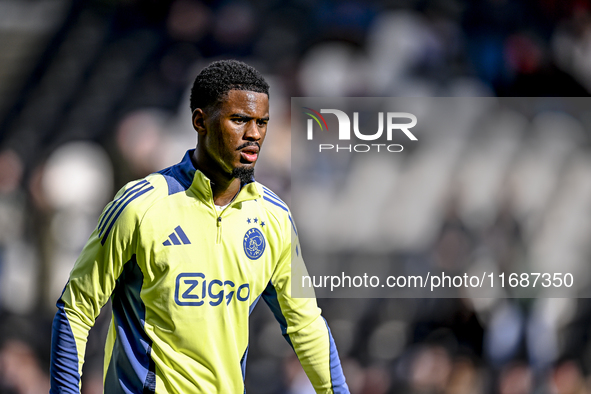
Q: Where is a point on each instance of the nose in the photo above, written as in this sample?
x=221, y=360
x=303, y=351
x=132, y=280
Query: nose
x=252, y=132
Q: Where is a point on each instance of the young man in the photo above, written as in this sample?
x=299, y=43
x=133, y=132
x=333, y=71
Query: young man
x=185, y=254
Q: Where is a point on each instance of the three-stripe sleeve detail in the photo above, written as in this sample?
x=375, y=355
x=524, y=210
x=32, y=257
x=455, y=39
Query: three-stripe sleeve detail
x=115, y=203
x=111, y=215
x=275, y=202
x=268, y=195
x=272, y=198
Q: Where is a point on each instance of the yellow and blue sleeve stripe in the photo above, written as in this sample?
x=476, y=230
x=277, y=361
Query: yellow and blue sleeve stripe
x=96, y=275
x=268, y=195
x=337, y=384
x=64, y=370
x=118, y=205
x=130, y=367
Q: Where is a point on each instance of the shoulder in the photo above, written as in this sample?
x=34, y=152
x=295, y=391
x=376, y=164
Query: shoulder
x=138, y=195
x=271, y=200
x=178, y=177
x=276, y=206
x=130, y=204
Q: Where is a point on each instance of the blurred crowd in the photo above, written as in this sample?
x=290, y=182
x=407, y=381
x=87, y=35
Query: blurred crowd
x=94, y=93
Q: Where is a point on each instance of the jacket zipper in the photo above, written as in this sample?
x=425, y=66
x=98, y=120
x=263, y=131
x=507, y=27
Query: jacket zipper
x=219, y=226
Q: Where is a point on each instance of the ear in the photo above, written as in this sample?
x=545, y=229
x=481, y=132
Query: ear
x=199, y=121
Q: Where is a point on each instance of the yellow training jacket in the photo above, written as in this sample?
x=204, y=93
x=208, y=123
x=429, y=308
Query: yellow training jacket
x=183, y=277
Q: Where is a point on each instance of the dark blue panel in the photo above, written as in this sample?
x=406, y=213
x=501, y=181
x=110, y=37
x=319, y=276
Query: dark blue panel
x=337, y=377
x=131, y=369
x=182, y=235
x=166, y=243
x=243, y=363
x=64, y=356
x=180, y=176
x=270, y=297
x=174, y=186
x=253, y=305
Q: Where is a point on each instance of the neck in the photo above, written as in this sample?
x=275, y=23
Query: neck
x=223, y=186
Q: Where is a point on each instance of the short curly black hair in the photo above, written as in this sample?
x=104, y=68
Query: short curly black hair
x=217, y=79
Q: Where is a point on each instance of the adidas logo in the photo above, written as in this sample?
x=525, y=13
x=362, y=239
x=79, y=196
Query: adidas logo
x=178, y=237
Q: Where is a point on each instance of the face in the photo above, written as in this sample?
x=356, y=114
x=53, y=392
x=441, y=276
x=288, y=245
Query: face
x=231, y=135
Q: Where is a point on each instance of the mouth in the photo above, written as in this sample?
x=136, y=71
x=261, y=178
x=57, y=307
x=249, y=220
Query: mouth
x=250, y=153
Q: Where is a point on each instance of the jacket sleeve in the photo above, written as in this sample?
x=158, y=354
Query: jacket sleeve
x=91, y=283
x=302, y=324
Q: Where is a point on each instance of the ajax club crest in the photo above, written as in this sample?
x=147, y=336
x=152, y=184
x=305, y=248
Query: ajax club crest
x=254, y=243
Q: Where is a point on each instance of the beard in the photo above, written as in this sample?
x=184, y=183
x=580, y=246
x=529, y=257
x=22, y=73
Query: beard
x=245, y=174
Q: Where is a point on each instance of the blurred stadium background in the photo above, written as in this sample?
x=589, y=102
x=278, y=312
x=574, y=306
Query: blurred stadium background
x=94, y=93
